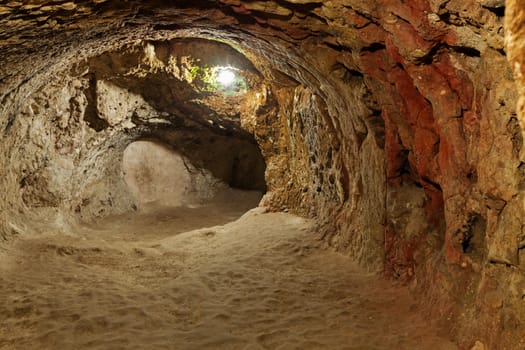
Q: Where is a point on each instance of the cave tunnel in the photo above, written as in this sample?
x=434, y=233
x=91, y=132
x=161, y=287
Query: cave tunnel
x=262, y=174
x=189, y=135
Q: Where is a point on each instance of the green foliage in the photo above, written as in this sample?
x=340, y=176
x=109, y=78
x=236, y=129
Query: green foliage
x=205, y=79
x=195, y=72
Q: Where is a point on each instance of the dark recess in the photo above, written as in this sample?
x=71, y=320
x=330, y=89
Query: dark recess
x=498, y=11
x=473, y=235
x=9, y=125
x=467, y=51
x=373, y=47
x=91, y=115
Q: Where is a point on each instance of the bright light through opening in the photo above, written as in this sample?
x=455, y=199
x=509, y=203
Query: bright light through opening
x=225, y=77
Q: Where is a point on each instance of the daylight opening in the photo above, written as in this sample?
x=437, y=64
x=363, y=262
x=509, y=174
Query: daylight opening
x=226, y=77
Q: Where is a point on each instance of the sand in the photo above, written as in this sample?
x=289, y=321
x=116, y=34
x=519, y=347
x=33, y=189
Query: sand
x=185, y=278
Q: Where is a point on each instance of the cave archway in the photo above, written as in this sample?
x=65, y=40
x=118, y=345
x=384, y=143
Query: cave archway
x=281, y=118
x=159, y=175
x=193, y=133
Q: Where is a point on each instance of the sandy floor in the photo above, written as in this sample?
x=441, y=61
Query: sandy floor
x=154, y=281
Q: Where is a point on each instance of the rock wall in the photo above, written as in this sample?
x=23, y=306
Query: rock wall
x=158, y=176
x=55, y=163
x=64, y=153
x=392, y=123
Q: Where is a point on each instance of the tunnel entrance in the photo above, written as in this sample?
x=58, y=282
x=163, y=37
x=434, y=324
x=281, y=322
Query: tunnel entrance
x=220, y=169
x=177, y=122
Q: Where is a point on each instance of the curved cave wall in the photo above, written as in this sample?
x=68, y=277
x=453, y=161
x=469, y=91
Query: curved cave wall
x=159, y=176
x=393, y=124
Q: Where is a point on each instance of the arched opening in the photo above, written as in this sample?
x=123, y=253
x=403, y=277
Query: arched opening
x=159, y=176
x=180, y=117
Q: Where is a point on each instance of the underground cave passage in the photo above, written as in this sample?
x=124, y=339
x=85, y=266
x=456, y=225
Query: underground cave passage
x=231, y=174
x=183, y=120
x=159, y=176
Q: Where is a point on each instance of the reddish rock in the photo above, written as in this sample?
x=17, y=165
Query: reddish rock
x=435, y=87
x=393, y=148
x=408, y=41
x=372, y=34
x=426, y=146
x=358, y=21
x=434, y=206
x=417, y=14
x=458, y=80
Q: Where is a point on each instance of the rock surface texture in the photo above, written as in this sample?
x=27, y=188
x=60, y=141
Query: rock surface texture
x=392, y=123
